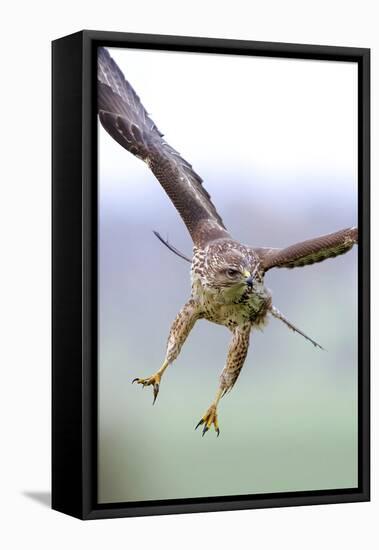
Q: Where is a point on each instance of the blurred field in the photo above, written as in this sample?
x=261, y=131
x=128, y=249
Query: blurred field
x=290, y=423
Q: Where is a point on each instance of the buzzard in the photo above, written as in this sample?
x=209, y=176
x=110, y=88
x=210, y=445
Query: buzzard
x=227, y=277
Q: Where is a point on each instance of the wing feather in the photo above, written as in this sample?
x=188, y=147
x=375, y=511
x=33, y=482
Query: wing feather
x=310, y=251
x=124, y=117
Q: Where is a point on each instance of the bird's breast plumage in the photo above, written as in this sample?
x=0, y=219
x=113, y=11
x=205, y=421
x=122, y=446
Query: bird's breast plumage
x=252, y=308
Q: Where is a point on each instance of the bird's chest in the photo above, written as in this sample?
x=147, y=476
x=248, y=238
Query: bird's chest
x=251, y=307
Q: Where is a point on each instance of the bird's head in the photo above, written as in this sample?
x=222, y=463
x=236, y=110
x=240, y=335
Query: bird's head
x=228, y=269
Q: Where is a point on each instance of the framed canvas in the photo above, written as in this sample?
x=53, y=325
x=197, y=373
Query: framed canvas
x=211, y=245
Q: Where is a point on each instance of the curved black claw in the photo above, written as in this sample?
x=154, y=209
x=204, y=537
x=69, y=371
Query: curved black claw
x=155, y=392
x=139, y=381
x=205, y=429
x=199, y=423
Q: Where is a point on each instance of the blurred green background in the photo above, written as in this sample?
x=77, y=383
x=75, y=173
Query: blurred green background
x=290, y=423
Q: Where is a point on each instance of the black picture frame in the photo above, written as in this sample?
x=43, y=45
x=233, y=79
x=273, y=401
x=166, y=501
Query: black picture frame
x=74, y=273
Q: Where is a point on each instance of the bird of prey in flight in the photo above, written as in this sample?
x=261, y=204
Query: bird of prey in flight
x=227, y=277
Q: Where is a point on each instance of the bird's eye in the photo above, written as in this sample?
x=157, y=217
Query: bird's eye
x=232, y=272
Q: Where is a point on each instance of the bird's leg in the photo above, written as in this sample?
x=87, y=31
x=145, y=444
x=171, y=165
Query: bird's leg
x=236, y=357
x=179, y=331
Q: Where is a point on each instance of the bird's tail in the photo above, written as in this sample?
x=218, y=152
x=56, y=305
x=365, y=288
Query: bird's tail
x=278, y=315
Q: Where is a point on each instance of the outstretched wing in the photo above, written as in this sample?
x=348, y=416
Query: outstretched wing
x=309, y=252
x=123, y=116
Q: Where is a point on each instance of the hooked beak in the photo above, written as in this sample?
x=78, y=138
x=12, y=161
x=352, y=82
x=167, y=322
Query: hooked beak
x=249, y=279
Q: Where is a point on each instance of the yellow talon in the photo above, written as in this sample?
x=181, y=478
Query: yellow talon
x=153, y=380
x=208, y=419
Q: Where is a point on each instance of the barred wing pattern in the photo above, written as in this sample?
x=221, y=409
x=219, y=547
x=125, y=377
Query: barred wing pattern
x=124, y=117
x=310, y=251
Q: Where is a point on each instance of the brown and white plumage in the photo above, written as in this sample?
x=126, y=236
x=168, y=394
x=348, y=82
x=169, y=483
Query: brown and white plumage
x=310, y=251
x=227, y=276
x=126, y=120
